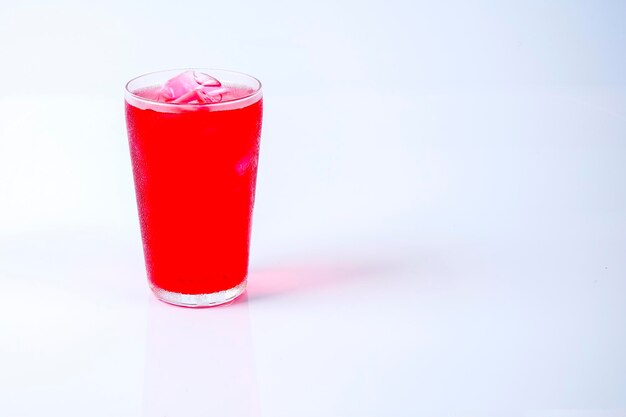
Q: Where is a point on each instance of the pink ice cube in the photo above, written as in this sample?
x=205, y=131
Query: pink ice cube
x=183, y=88
x=210, y=94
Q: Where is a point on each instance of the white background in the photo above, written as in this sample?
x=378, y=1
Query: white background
x=440, y=225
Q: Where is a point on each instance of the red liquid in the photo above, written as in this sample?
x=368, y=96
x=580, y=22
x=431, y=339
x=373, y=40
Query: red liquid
x=195, y=177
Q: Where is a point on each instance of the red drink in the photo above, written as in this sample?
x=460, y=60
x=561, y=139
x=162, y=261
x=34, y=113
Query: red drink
x=195, y=167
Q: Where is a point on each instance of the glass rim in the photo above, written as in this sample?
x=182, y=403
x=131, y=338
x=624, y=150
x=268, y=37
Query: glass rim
x=238, y=102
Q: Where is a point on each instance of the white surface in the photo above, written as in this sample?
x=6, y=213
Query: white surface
x=440, y=223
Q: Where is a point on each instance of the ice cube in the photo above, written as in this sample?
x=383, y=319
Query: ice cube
x=205, y=79
x=201, y=95
x=183, y=88
x=210, y=95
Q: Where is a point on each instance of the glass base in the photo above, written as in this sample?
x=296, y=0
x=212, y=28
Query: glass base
x=200, y=300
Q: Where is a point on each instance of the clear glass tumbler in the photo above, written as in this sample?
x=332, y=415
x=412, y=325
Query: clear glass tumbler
x=195, y=168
